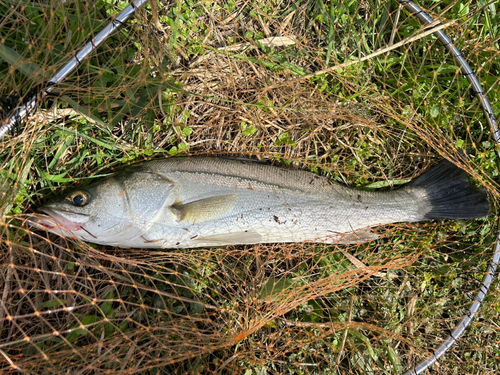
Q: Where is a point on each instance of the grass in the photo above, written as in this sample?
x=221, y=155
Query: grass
x=194, y=78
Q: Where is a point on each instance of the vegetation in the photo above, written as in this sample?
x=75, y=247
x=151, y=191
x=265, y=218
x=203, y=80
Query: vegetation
x=258, y=79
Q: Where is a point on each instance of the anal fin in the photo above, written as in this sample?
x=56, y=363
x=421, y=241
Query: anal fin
x=357, y=237
x=236, y=238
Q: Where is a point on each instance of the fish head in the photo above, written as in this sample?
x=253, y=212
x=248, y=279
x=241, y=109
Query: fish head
x=98, y=213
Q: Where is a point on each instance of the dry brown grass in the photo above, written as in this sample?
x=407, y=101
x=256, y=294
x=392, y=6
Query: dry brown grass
x=206, y=86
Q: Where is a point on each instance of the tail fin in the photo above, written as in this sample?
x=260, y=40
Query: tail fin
x=451, y=195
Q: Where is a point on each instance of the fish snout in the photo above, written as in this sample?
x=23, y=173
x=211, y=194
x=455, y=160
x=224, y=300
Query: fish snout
x=69, y=220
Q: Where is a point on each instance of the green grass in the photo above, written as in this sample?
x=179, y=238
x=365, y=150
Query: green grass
x=176, y=87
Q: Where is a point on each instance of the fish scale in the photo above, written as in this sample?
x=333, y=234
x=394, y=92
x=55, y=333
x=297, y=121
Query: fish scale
x=209, y=201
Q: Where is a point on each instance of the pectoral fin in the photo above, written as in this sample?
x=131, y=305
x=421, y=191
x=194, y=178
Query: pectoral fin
x=357, y=237
x=204, y=209
x=237, y=238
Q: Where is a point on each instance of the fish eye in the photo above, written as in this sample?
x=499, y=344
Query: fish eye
x=79, y=198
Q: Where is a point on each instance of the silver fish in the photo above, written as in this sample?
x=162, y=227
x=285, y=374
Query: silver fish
x=208, y=201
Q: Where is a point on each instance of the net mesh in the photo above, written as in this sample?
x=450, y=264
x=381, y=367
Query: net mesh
x=273, y=80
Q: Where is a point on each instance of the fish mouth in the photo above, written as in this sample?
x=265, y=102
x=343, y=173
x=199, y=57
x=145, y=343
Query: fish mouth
x=58, y=219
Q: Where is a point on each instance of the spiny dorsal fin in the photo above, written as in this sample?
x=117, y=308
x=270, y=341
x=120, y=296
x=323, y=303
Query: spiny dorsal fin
x=204, y=209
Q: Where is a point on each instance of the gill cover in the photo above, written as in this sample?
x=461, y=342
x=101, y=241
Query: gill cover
x=112, y=210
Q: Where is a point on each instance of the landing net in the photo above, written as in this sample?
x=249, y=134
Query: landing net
x=358, y=91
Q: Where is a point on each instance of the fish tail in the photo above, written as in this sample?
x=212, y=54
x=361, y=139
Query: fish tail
x=450, y=195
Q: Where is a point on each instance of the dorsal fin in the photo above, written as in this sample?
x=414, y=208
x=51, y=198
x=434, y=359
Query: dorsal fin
x=247, y=160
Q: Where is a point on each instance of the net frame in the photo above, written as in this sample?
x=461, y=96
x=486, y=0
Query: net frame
x=424, y=18
x=29, y=105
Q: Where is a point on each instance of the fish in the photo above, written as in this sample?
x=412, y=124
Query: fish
x=191, y=202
